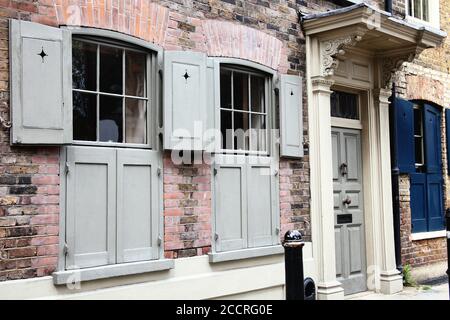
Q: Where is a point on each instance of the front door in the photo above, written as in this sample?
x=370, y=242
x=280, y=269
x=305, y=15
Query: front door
x=348, y=209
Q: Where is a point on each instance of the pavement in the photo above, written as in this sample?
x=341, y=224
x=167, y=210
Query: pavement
x=421, y=292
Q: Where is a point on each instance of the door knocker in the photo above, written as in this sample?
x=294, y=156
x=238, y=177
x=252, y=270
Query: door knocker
x=344, y=169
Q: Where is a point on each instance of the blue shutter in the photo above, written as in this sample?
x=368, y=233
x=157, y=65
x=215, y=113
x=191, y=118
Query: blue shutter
x=434, y=202
x=447, y=124
x=418, y=202
x=404, y=117
x=432, y=139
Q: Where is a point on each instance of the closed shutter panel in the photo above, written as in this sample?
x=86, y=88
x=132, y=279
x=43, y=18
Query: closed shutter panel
x=419, y=208
x=91, y=207
x=262, y=202
x=291, y=117
x=432, y=128
x=434, y=202
x=230, y=188
x=447, y=127
x=137, y=205
x=41, y=98
x=185, y=96
x=404, y=116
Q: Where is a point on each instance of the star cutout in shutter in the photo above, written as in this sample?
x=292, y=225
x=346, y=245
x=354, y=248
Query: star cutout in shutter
x=186, y=76
x=42, y=54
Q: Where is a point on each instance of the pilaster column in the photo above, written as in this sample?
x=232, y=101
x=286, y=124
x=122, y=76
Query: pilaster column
x=390, y=278
x=322, y=213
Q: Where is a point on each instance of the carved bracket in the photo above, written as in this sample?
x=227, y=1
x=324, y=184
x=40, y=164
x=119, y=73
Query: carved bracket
x=390, y=65
x=330, y=49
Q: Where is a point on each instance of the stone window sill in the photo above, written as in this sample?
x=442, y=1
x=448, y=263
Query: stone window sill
x=428, y=235
x=245, y=254
x=117, y=270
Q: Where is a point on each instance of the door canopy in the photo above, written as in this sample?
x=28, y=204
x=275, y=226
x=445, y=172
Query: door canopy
x=389, y=40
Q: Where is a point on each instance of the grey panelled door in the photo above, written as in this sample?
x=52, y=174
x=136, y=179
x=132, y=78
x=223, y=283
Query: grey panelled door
x=348, y=209
x=91, y=206
x=137, y=198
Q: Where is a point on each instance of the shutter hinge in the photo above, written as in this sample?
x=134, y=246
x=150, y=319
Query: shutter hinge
x=215, y=171
x=65, y=249
x=216, y=237
x=159, y=241
x=275, y=173
x=67, y=168
x=277, y=231
x=158, y=172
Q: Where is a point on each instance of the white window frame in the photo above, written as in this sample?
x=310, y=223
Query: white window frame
x=151, y=122
x=268, y=110
x=433, y=11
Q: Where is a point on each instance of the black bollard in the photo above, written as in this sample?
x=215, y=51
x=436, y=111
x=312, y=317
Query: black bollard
x=293, y=257
x=447, y=216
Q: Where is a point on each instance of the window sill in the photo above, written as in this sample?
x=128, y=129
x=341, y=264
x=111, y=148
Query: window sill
x=417, y=21
x=117, y=270
x=245, y=254
x=428, y=235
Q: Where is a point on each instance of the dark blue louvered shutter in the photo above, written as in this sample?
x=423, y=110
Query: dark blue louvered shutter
x=404, y=120
x=435, y=202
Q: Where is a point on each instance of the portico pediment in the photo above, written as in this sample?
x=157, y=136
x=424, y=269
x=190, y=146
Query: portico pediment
x=389, y=40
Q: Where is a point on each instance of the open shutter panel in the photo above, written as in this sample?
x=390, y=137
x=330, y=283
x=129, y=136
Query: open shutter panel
x=291, y=117
x=418, y=192
x=185, y=100
x=41, y=100
x=432, y=143
x=262, y=203
x=447, y=128
x=404, y=116
x=230, y=203
x=137, y=205
x=91, y=207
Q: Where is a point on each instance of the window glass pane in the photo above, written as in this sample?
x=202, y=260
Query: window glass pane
x=257, y=94
x=135, y=121
x=241, y=134
x=84, y=65
x=84, y=116
x=135, y=73
x=417, y=122
x=344, y=105
x=258, y=133
x=417, y=9
x=240, y=90
x=225, y=89
x=410, y=7
x=226, y=129
x=111, y=119
x=111, y=70
x=425, y=15
x=418, y=150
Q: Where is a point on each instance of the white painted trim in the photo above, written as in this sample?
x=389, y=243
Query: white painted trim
x=245, y=253
x=191, y=278
x=115, y=270
x=428, y=235
x=346, y=123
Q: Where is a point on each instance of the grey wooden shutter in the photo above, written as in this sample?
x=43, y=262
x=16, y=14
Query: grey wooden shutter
x=291, y=117
x=230, y=189
x=91, y=207
x=185, y=99
x=137, y=205
x=262, y=206
x=41, y=98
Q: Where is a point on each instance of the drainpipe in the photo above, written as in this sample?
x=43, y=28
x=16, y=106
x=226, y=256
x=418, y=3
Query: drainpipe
x=388, y=6
x=395, y=173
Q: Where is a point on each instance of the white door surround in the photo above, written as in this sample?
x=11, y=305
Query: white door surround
x=379, y=44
